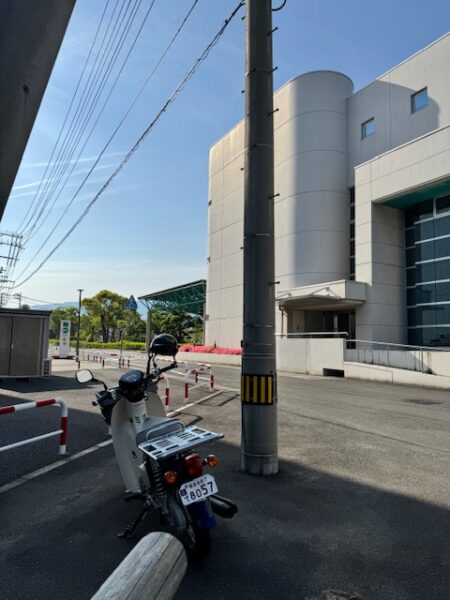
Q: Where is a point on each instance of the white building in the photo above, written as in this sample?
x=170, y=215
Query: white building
x=362, y=219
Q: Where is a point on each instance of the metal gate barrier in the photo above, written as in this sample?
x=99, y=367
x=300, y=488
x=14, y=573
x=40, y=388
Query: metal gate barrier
x=62, y=431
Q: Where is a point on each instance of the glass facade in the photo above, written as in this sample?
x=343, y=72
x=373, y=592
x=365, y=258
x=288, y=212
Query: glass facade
x=428, y=272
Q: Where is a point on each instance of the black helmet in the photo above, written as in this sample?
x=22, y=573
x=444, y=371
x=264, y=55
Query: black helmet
x=164, y=344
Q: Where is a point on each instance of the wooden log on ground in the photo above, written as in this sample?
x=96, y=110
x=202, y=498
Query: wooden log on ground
x=153, y=570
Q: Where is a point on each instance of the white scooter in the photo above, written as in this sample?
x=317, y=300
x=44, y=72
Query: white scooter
x=155, y=454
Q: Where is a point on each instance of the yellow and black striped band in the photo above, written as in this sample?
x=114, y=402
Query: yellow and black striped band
x=257, y=389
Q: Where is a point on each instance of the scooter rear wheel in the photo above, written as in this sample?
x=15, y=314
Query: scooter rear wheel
x=197, y=543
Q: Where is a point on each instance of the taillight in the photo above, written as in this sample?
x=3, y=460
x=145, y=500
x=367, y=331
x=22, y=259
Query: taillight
x=194, y=465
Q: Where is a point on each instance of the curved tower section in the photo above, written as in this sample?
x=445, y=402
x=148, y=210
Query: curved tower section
x=312, y=209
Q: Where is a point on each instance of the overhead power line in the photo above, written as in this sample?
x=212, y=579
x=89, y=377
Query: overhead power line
x=58, y=160
x=39, y=301
x=103, y=53
x=136, y=98
x=67, y=114
x=141, y=138
x=282, y=5
x=93, y=90
x=37, y=226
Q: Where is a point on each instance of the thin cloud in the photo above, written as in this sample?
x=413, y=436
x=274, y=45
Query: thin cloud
x=34, y=184
x=110, y=191
x=70, y=162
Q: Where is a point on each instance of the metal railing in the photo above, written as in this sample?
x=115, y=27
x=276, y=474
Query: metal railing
x=399, y=356
x=314, y=334
x=201, y=374
x=61, y=432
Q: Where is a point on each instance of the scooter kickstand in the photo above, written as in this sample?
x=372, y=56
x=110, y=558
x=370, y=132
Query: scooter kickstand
x=129, y=530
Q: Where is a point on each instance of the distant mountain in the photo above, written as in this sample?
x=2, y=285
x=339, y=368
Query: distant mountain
x=53, y=306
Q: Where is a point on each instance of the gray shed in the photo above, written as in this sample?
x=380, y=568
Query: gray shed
x=24, y=343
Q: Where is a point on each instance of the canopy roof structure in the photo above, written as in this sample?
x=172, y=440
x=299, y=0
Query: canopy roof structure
x=190, y=297
x=334, y=295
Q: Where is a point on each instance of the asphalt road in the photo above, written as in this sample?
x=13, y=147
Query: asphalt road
x=361, y=503
x=86, y=425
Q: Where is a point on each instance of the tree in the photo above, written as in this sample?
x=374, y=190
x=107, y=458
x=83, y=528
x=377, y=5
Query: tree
x=89, y=328
x=63, y=313
x=182, y=325
x=135, y=326
x=108, y=308
x=106, y=316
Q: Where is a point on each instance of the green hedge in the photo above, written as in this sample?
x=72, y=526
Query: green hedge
x=105, y=346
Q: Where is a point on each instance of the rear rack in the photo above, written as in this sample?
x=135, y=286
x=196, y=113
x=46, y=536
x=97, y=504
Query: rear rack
x=169, y=445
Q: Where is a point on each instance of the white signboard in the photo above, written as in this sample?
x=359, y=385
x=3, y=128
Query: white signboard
x=64, y=339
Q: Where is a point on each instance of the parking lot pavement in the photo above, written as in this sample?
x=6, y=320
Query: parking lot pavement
x=86, y=425
x=361, y=504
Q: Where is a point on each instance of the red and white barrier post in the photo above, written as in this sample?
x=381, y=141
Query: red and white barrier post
x=195, y=373
x=186, y=384
x=62, y=432
x=166, y=392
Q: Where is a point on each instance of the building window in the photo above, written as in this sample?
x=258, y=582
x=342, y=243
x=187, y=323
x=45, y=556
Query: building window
x=368, y=128
x=419, y=100
x=428, y=272
x=352, y=234
x=443, y=204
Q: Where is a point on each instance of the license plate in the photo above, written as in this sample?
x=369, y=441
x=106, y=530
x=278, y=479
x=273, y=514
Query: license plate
x=198, y=489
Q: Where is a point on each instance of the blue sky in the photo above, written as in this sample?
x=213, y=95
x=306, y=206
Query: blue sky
x=148, y=231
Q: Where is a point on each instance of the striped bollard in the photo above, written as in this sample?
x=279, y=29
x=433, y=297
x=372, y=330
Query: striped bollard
x=63, y=436
x=166, y=392
x=186, y=385
x=167, y=395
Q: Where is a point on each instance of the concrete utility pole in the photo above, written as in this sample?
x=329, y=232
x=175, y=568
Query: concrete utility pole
x=259, y=449
x=148, y=330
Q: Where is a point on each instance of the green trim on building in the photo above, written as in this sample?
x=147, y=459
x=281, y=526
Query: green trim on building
x=190, y=297
x=407, y=200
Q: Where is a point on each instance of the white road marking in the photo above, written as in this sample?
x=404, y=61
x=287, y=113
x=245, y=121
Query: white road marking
x=52, y=466
x=183, y=408
x=60, y=463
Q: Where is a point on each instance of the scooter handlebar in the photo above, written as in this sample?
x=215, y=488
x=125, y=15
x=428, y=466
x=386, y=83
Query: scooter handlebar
x=155, y=373
x=174, y=365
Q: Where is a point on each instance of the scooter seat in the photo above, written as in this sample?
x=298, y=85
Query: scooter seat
x=156, y=427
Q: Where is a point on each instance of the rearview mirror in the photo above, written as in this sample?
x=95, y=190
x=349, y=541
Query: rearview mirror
x=84, y=376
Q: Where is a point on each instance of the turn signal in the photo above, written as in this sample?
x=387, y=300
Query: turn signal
x=211, y=460
x=170, y=477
